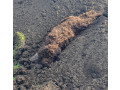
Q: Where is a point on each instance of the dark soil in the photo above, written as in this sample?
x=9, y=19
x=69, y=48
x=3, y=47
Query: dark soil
x=82, y=65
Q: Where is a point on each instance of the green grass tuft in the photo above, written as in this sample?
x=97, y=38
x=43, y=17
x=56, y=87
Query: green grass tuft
x=16, y=66
x=21, y=36
x=14, y=78
x=20, y=41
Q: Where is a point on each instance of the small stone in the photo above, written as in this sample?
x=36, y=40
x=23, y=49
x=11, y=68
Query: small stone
x=14, y=87
x=34, y=57
x=20, y=79
x=43, y=14
x=25, y=54
x=29, y=30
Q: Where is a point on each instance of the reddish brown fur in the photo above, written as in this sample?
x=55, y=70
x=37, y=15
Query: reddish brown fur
x=61, y=35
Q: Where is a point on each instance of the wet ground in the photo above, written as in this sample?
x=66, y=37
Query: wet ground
x=83, y=63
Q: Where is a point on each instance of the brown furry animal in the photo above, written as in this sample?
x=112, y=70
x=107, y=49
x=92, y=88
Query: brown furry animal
x=61, y=35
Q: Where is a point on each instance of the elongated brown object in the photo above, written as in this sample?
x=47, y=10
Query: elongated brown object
x=61, y=35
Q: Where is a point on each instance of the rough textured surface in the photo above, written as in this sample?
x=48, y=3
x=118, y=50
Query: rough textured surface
x=46, y=86
x=83, y=64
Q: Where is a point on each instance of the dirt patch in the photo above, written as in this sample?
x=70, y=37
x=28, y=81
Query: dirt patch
x=35, y=19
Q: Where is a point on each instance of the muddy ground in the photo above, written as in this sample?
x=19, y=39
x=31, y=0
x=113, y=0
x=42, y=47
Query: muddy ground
x=83, y=65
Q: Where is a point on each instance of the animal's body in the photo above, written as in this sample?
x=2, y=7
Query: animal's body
x=61, y=35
